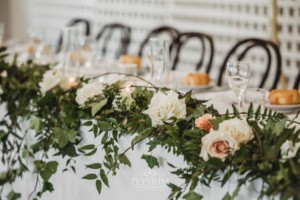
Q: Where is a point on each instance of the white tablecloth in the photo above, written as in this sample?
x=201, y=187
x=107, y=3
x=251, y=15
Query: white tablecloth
x=137, y=182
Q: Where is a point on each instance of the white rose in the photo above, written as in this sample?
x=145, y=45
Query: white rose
x=239, y=129
x=165, y=106
x=218, y=144
x=289, y=150
x=51, y=79
x=4, y=74
x=88, y=91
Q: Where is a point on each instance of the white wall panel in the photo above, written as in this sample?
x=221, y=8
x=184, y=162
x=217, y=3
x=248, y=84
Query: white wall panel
x=226, y=20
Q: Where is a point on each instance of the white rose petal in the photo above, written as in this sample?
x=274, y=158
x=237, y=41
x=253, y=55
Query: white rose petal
x=50, y=79
x=289, y=150
x=88, y=91
x=165, y=106
x=209, y=147
x=239, y=129
x=4, y=74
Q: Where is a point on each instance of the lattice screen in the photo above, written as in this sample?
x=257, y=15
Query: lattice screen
x=226, y=20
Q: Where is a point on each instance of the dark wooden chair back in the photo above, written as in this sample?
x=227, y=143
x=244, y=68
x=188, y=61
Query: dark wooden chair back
x=248, y=44
x=106, y=33
x=205, y=41
x=73, y=22
x=172, y=32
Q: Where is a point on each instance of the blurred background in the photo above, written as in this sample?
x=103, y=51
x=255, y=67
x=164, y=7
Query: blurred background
x=227, y=21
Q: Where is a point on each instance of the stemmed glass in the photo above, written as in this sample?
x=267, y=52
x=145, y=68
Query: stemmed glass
x=238, y=75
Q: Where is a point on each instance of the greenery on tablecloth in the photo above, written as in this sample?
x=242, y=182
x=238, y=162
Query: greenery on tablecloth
x=262, y=146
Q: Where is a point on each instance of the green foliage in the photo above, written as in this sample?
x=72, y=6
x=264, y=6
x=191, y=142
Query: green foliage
x=151, y=161
x=192, y=196
x=13, y=195
x=56, y=118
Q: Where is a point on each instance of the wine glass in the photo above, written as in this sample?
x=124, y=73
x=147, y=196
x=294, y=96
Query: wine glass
x=238, y=75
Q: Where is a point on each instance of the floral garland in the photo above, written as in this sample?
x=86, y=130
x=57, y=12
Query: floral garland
x=259, y=145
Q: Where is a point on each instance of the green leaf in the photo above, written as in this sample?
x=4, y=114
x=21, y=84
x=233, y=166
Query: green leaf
x=191, y=195
x=63, y=137
x=48, y=187
x=87, y=147
x=91, y=152
x=151, y=161
x=215, y=122
x=98, y=106
x=47, y=171
x=215, y=163
x=250, y=111
x=104, y=126
x=226, y=196
x=72, y=135
x=98, y=186
x=13, y=195
x=104, y=177
x=87, y=123
x=276, y=127
x=124, y=160
x=94, y=166
x=90, y=176
x=35, y=124
x=104, y=138
x=2, y=134
x=95, y=130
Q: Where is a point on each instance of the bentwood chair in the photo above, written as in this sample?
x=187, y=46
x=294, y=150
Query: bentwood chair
x=168, y=30
x=297, y=81
x=205, y=41
x=75, y=22
x=106, y=34
x=245, y=46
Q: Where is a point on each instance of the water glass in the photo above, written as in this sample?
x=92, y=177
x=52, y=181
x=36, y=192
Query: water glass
x=71, y=53
x=238, y=75
x=158, y=58
x=1, y=32
x=256, y=96
x=37, y=44
x=87, y=51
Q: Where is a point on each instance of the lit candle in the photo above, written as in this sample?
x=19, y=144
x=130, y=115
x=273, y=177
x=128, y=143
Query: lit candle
x=72, y=82
x=127, y=91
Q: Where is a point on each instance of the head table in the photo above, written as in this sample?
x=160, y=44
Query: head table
x=135, y=182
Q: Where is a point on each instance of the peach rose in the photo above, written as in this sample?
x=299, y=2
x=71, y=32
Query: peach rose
x=204, y=123
x=218, y=144
x=239, y=129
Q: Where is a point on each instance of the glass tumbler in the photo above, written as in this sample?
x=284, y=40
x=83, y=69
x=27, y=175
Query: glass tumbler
x=158, y=58
x=70, y=51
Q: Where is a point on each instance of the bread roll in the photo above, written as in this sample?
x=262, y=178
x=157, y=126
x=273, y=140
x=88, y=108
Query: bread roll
x=196, y=79
x=284, y=97
x=130, y=59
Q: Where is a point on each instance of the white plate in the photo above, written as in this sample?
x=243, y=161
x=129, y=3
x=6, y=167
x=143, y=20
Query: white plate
x=196, y=88
x=284, y=108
